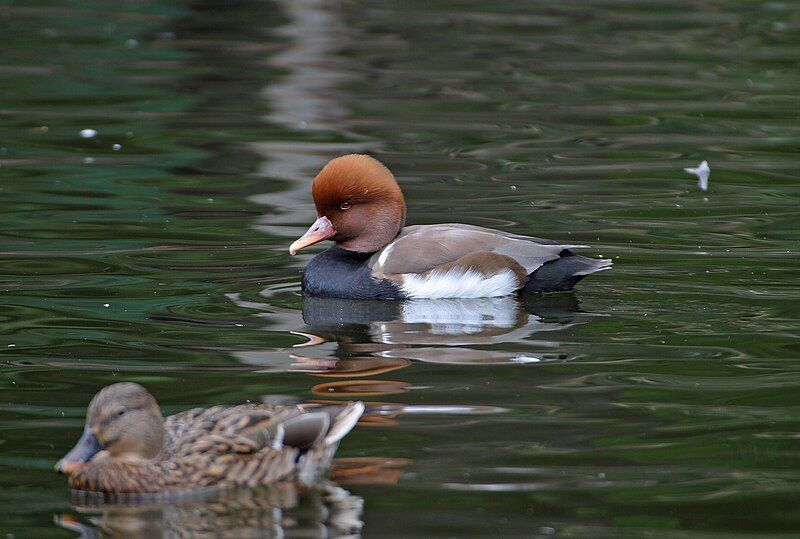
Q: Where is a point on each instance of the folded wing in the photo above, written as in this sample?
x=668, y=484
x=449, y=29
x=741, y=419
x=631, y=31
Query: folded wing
x=422, y=248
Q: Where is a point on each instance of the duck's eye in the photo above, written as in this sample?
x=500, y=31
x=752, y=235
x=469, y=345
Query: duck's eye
x=344, y=206
x=121, y=412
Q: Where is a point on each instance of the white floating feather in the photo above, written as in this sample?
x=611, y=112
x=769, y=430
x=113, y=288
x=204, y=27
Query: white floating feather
x=703, y=171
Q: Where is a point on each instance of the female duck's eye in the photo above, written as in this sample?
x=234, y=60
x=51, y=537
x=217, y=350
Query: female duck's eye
x=344, y=206
x=120, y=412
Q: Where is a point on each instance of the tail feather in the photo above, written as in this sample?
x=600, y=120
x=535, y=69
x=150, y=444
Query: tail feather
x=313, y=464
x=305, y=430
x=344, y=422
x=593, y=265
x=563, y=273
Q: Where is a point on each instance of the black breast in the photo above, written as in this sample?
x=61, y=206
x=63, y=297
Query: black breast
x=338, y=273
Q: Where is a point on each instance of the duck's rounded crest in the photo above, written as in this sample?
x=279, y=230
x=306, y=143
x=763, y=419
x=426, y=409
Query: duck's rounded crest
x=359, y=205
x=354, y=178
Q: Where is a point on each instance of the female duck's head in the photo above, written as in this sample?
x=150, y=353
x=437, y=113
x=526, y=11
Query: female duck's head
x=359, y=205
x=124, y=422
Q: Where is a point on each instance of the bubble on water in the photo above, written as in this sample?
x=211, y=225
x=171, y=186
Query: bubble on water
x=116, y=147
x=106, y=305
x=88, y=160
x=547, y=530
x=88, y=133
x=131, y=44
x=513, y=187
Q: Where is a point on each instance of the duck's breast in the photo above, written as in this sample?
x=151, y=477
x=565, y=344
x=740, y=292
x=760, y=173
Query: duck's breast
x=338, y=273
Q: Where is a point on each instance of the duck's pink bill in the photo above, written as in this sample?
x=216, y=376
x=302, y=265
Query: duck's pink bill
x=322, y=229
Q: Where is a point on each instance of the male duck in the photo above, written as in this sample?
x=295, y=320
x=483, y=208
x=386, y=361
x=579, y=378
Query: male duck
x=361, y=208
x=128, y=448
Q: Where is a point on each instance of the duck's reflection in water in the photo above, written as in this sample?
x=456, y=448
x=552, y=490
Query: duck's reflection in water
x=327, y=510
x=278, y=510
x=348, y=341
x=378, y=337
x=455, y=331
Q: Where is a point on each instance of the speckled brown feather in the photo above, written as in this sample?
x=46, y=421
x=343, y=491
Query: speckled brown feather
x=216, y=447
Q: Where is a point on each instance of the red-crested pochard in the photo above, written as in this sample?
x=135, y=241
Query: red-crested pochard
x=361, y=209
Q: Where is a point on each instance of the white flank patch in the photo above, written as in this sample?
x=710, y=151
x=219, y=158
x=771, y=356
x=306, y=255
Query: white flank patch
x=458, y=283
x=385, y=254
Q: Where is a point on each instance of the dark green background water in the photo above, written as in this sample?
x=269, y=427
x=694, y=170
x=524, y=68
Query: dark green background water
x=661, y=399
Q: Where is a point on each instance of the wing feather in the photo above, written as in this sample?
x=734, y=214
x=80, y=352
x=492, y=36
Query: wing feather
x=422, y=248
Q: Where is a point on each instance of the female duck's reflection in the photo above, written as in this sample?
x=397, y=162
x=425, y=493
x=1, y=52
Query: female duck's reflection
x=273, y=511
x=277, y=510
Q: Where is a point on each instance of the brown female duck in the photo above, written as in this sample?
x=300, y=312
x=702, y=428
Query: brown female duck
x=127, y=446
x=361, y=208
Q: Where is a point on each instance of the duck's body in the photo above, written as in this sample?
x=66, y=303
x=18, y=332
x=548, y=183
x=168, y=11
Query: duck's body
x=448, y=261
x=200, y=448
x=361, y=208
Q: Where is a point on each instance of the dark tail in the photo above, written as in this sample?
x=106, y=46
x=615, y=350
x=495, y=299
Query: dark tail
x=563, y=273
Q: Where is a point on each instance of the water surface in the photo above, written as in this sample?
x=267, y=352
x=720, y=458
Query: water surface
x=660, y=399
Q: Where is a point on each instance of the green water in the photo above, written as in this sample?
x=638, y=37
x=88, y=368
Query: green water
x=660, y=399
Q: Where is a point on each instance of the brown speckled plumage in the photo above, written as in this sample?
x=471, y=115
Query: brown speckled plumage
x=221, y=446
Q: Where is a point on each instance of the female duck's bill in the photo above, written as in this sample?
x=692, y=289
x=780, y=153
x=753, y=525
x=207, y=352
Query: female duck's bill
x=361, y=208
x=127, y=446
x=86, y=448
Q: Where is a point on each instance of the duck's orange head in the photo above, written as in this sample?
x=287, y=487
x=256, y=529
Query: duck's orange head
x=359, y=205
